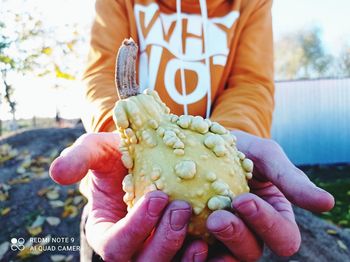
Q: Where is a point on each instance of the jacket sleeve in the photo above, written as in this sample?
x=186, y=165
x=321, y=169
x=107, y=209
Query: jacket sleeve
x=109, y=29
x=248, y=100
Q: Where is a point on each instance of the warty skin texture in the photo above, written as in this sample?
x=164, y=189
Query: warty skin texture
x=187, y=157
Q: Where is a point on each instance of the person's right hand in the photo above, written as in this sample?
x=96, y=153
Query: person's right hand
x=153, y=230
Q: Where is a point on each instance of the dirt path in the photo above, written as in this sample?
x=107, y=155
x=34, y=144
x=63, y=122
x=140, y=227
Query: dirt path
x=34, y=206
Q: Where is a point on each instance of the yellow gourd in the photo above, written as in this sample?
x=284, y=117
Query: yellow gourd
x=187, y=157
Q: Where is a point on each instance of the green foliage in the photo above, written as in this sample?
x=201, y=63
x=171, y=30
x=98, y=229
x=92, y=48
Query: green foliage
x=302, y=55
x=336, y=180
x=344, y=61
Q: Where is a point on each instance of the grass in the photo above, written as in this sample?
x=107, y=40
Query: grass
x=336, y=180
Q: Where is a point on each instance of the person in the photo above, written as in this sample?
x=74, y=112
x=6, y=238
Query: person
x=209, y=58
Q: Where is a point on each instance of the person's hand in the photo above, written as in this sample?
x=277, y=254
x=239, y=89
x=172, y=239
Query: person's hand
x=153, y=230
x=265, y=215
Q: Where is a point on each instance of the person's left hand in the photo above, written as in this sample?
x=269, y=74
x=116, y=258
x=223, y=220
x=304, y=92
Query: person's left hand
x=265, y=215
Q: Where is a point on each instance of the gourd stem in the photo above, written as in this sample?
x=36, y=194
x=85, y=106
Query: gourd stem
x=125, y=72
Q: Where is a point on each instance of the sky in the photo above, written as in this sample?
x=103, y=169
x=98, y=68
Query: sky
x=35, y=98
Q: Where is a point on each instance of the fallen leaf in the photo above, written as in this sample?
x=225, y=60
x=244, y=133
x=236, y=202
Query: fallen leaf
x=21, y=170
x=7, y=153
x=52, y=195
x=26, y=162
x=19, y=180
x=5, y=211
x=40, y=160
x=34, y=231
x=342, y=245
x=56, y=203
x=44, y=190
x=58, y=258
x=68, y=201
x=4, y=192
x=77, y=200
x=3, y=196
x=331, y=232
x=53, y=154
x=53, y=221
x=30, y=250
x=70, y=211
x=39, y=221
x=3, y=249
x=42, y=175
x=37, y=169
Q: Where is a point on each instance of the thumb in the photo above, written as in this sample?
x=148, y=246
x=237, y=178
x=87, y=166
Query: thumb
x=98, y=152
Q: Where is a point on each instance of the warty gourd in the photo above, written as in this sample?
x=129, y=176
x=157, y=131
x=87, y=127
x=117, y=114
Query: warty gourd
x=187, y=157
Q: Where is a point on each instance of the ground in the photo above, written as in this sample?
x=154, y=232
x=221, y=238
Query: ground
x=33, y=208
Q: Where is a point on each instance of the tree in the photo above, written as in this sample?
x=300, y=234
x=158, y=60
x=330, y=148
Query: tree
x=15, y=53
x=27, y=46
x=302, y=55
x=343, y=64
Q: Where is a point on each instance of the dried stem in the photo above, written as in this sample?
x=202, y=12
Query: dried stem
x=125, y=73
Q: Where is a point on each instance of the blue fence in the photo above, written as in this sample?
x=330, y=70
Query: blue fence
x=312, y=120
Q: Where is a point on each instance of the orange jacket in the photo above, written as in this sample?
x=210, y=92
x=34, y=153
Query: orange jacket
x=210, y=59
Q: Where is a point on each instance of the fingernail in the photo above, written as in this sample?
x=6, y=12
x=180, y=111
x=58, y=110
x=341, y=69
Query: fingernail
x=179, y=218
x=201, y=256
x=248, y=208
x=225, y=233
x=156, y=206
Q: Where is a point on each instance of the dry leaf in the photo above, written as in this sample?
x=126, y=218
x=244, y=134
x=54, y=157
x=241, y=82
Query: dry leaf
x=70, y=192
x=19, y=180
x=40, y=160
x=39, y=221
x=53, y=221
x=58, y=258
x=77, y=200
x=34, y=231
x=3, y=196
x=21, y=170
x=3, y=249
x=4, y=192
x=26, y=162
x=342, y=245
x=44, y=190
x=331, y=232
x=56, y=203
x=31, y=250
x=5, y=211
x=52, y=195
x=54, y=153
x=37, y=169
x=70, y=211
x=7, y=153
x=68, y=201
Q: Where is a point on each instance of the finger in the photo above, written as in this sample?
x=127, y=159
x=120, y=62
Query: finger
x=278, y=232
x=235, y=235
x=92, y=151
x=114, y=240
x=271, y=194
x=272, y=163
x=224, y=258
x=196, y=251
x=170, y=233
